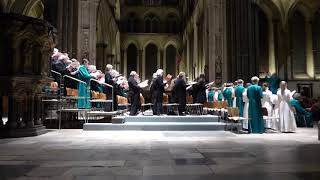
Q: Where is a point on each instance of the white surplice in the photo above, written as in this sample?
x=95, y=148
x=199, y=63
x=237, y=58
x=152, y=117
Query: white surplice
x=245, y=109
x=234, y=103
x=267, y=103
x=287, y=121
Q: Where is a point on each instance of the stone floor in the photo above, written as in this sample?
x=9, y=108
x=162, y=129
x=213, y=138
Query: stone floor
x=133, y=155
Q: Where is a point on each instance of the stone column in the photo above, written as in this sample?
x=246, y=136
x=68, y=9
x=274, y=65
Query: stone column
x=1, y=112
x=141, y=63
x=13, y=117
x=188, y=66
x=161, y=63
x=272, y=58
x=125, y=62
x=195, y=48
x=37, y=112
x=87, y=22
x=218, y=65
x=309, y=50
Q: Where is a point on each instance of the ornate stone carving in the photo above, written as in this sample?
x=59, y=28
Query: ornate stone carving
x=27, y=44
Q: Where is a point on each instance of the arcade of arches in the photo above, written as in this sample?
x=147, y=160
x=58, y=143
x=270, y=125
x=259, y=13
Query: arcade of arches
x=224, y=39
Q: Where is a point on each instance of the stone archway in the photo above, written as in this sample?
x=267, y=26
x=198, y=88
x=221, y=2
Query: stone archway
x=248, y=39
x=151, y=60
x=316, y=43
x=170, y=64
x=297, y=30
x=132, y=59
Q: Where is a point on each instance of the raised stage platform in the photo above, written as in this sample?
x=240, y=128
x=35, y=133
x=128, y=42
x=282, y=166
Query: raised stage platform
x=159, y=123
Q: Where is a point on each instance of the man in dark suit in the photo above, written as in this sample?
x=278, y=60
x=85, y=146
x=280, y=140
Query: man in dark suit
x=180, y=93
x=158, y=90
x=110, y=79
x=134, y=93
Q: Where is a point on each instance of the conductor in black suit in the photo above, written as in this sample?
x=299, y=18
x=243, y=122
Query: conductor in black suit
x=134, y=93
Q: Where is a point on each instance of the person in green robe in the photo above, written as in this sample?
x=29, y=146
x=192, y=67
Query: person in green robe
x=210, y=95
x=239, y=96
x=227, y=94
x=254, y=94
x=84, y=89
x=301, y=112
x=217, y=97
x=273, y=81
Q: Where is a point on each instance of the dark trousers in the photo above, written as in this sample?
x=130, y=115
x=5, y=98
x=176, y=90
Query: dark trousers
x=135, y=105
x=157, y=108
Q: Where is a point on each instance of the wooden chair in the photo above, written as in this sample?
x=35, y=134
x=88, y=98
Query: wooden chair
x=235, y=119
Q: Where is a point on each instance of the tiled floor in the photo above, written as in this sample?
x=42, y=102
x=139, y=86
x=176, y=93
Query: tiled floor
x=134, y=155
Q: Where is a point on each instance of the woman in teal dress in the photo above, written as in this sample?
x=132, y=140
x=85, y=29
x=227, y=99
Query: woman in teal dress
x=84, y=89
x=255, y=95
x=239, y=96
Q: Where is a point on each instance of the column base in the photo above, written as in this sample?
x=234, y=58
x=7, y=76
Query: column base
x=26, y=132
x=319, y=130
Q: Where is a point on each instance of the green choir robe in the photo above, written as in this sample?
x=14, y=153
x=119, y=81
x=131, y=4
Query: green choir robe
x=239, y=98
x=255, y=95
x=210, y=96
x=227, y=94
x=301, y=112
x=84, y=90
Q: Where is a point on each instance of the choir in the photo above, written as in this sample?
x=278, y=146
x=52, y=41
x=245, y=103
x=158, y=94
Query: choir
x=253, y=101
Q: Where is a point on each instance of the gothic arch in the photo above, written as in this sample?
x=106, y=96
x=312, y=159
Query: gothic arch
x=173, y=43
x=127, y=43
x=32, y=8
x=302, y=8
x=269, y=8
x=151, y=41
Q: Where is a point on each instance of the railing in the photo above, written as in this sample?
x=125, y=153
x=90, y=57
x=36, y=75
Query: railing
x=106, y=85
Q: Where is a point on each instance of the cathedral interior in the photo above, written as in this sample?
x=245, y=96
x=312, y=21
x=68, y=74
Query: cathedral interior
x=225, y=40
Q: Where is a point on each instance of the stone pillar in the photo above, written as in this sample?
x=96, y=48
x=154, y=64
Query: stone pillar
x=188, y=66
x=319, y=130
x=13, y=115
x=125, y=62
x=87, y=22
x=196, y=63
x=272, y=58
x=1, y=113
x=141, y=63
x=218, y=65
x=309, y=50
x=161, y=63
x=282, y=52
